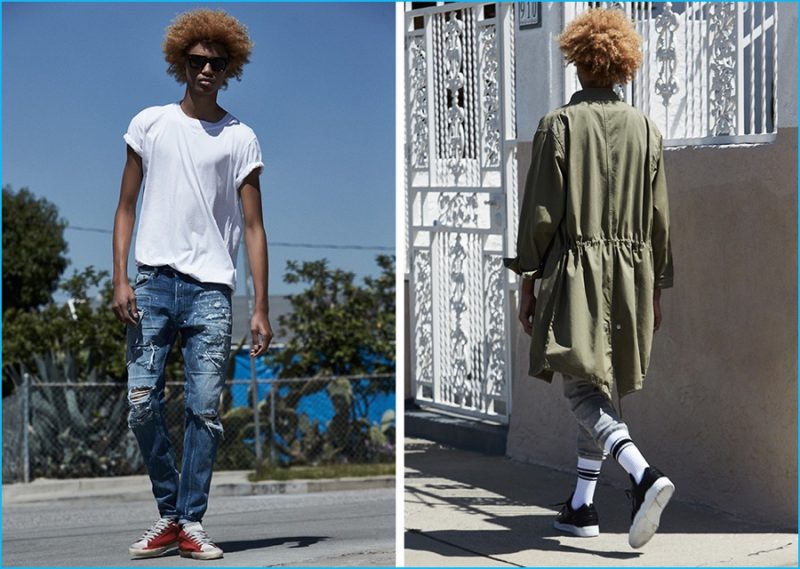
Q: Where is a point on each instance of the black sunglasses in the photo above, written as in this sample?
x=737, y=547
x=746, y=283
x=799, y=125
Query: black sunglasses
x=200, y=61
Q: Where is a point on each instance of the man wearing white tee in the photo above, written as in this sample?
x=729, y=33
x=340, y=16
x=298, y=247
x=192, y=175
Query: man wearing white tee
x=199, y=169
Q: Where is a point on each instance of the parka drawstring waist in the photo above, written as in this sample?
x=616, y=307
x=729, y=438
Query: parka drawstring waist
x=633, y=243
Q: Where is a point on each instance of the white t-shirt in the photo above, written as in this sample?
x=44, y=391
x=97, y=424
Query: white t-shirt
x=191, y=217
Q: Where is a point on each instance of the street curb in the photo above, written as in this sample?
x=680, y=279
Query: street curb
x=138, y=487
x=304, y=486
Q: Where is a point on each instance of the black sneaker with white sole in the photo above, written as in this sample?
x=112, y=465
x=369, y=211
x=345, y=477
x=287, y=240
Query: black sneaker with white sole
x=582, y=522
x=649, y=498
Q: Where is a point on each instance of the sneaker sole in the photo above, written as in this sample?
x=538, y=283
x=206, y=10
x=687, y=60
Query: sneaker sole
x=200, y=555
x=585, y=531
x=646, y=521
x=155, y=552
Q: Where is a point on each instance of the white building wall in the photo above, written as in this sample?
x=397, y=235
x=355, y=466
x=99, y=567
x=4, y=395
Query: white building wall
x=540, y=73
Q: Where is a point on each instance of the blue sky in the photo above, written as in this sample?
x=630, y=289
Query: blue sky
x=319, y=93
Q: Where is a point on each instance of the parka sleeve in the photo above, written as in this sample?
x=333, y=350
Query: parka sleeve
x=542, y=204
x=662, y=249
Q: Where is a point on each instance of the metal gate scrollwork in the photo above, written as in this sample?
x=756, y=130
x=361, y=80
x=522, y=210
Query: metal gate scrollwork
x=460, y=188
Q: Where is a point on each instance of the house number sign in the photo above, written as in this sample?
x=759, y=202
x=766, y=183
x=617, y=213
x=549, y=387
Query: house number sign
x=529, y=14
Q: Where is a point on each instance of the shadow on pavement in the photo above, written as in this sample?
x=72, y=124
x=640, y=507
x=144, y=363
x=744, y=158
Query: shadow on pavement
x=444, y=542
x=247, y=544
x=482, y=488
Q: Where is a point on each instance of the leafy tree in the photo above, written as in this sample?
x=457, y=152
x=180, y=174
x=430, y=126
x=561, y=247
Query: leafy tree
x=34, y=249
x=89, y=332
x=338, y=327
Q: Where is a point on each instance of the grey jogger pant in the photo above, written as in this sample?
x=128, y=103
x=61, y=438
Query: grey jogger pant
x=596, y=416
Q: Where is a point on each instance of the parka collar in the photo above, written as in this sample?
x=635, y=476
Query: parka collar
x=594, y=94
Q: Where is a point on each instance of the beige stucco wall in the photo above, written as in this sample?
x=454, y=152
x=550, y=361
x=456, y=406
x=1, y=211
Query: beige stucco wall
x=719, y=409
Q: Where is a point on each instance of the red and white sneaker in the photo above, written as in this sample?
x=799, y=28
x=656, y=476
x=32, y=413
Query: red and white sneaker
x=193, y=541
x=159, y=539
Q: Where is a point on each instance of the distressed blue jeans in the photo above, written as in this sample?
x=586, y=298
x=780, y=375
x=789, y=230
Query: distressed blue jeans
x=170, y=302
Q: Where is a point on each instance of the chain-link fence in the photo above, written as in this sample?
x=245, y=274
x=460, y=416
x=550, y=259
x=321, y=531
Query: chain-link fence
x=81, y=430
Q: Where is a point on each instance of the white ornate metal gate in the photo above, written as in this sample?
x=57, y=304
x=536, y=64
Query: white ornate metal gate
x=460, y=191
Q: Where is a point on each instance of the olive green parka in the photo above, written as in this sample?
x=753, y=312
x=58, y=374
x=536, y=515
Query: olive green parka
x=594, y=226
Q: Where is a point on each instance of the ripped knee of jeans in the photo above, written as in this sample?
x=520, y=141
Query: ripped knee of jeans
x=140, y=407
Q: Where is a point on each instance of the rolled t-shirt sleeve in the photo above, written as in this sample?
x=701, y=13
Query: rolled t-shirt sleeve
x=249, y=160
x=134, y=136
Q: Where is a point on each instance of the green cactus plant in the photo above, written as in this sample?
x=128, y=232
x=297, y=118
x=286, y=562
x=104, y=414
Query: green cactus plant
x=77, y=430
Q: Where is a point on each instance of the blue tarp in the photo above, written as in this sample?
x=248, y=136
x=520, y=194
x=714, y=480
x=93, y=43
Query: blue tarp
x=241, y=371
x=316, y=406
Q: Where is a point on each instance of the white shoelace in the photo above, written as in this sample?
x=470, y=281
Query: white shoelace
x=157, y=528
x=199, y=536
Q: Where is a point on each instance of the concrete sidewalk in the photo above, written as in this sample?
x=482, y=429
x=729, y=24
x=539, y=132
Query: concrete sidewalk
x=469, y=509
x=224, y=483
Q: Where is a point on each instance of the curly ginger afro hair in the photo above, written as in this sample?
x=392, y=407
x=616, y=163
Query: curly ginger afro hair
x=210, y=27
x=604, y=43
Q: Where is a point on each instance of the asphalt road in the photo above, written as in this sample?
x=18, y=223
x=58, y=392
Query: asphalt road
x=320, y=529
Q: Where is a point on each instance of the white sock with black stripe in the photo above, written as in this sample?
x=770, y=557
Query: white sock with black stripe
x=588, y=472
x=621, y=447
